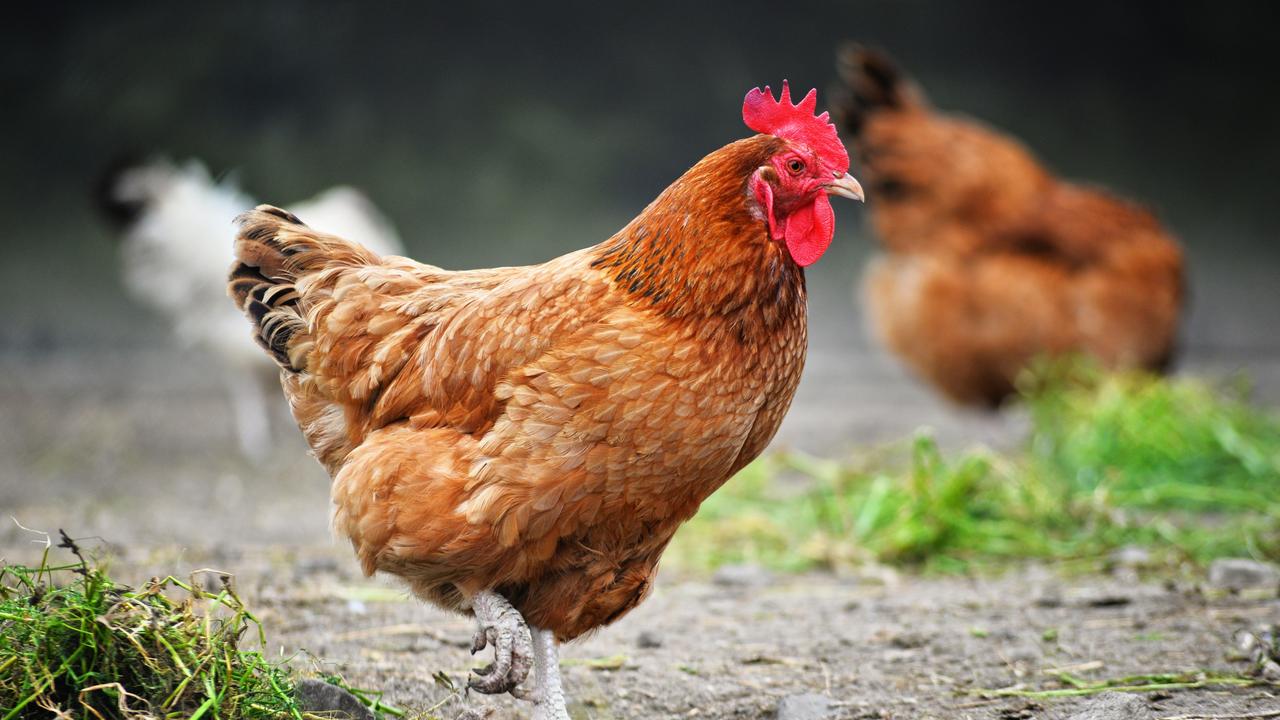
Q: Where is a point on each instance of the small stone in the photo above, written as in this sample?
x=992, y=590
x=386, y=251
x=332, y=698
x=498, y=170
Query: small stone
x=909, y=640
x=648, y=639
x=742, y=576
x=318, y=696
x=1113, y=706
x=1262, y=649
x=1242, y=573
x=1131, y=556
x=1048, y=596
x=808, y=706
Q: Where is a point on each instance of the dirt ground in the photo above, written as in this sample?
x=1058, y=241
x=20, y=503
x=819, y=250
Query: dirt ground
x=137, y=450
x=908, y=648
x=734, y=645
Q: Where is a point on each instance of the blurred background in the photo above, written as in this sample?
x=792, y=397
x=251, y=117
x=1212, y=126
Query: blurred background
x=509, y=135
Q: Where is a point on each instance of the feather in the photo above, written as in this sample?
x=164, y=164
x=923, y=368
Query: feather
x=175, y=247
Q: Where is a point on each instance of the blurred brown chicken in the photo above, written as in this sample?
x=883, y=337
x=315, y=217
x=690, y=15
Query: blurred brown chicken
x=522, y=442
x=989, y=260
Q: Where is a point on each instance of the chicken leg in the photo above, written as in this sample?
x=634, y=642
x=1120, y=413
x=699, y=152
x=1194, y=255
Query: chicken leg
x=547, y=695
x=252, y=413
x=502, y=626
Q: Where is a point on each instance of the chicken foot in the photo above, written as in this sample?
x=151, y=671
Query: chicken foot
x=500, y=625
x=547, y=695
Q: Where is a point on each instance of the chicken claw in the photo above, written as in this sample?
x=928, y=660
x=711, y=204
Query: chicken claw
x=501, y=626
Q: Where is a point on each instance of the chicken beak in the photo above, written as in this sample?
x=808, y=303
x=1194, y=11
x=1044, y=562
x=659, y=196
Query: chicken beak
x=845, y=186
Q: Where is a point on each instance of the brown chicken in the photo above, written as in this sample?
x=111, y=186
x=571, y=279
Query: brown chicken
x=989, y=261
x=522, y=443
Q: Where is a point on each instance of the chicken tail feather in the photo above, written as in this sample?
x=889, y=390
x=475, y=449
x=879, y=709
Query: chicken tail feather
x=872, y=81
x=274, y=252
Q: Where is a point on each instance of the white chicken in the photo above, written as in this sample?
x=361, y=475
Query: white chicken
x=176, y=246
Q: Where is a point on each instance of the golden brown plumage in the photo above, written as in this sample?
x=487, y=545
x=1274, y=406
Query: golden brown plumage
x=540, y=432
x=989, y=261
x=490, y=428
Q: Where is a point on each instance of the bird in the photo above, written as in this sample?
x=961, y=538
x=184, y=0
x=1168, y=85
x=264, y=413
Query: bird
x=988, y=262
x=521, y=443
x=174, y=225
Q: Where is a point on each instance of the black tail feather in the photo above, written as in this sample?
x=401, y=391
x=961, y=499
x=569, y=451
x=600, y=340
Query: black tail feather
x=871, y=82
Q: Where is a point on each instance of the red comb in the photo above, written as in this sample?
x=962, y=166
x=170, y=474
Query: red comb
x=796, y=122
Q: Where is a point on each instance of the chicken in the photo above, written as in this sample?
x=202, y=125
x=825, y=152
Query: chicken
x=988, y=260
x=175, y=248
x=521, y=443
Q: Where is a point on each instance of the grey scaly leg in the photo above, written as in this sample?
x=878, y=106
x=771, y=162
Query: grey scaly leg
x=548, y=693
x=500, y=625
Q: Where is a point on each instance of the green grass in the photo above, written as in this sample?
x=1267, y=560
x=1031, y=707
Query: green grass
x=1180, y=466
x=74, y=643
x=1154, y=443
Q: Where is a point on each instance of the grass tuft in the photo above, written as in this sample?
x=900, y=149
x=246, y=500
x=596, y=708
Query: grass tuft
x=74, y=643
x=1154, y=443
x=1175, y=465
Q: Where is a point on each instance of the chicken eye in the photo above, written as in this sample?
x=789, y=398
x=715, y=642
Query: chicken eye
x=795, y=166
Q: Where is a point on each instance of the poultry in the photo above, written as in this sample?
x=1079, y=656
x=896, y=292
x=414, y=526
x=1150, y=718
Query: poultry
x=989, y=262
x=175, y=246
x=521, y=443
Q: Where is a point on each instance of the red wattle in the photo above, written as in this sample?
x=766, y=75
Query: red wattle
x=809, y=230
